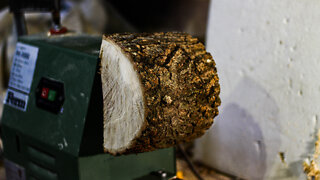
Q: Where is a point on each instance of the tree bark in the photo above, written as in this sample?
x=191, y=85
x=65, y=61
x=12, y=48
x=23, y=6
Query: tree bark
x=178, y=85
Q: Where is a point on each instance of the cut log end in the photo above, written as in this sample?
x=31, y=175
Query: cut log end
x=122, y=97
x=158, y=90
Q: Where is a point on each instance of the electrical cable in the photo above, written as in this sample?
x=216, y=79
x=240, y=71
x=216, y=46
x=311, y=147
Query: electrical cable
x=189, y=162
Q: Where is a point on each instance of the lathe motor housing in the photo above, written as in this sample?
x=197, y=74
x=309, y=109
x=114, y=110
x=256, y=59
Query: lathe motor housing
x=52, y=124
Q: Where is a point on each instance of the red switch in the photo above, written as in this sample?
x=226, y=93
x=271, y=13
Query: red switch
x=44, y=93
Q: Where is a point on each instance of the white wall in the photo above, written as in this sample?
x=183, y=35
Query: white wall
x=268, y=59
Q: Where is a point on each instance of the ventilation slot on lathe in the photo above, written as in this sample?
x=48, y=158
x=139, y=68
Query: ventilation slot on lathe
x=41, y=164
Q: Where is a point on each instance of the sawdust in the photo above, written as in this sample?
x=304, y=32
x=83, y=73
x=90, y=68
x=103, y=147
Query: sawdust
x=311, y=168
x=206, y=172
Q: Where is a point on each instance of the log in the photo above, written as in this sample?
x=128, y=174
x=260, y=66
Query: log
x=159, y=89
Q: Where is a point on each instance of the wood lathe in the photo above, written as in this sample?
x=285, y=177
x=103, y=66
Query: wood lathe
x=75, y=101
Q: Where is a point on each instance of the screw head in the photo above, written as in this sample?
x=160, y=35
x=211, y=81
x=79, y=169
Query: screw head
x=163, y=174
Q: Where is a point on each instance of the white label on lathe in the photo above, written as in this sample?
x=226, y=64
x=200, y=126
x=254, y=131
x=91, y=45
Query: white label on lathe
x=23, y=65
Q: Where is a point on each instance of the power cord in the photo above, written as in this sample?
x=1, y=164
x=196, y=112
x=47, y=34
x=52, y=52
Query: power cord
x=189, y=162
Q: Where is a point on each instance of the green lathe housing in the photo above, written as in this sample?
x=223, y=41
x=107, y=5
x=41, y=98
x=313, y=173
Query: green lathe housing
x=54, y=129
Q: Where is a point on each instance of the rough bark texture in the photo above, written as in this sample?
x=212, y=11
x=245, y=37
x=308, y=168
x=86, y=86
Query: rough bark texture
x=180, y=87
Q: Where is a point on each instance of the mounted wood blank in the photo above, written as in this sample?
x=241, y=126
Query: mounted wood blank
x=159, y=89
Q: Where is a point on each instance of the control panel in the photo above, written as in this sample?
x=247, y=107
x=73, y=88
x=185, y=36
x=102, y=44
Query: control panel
x=50, y=95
